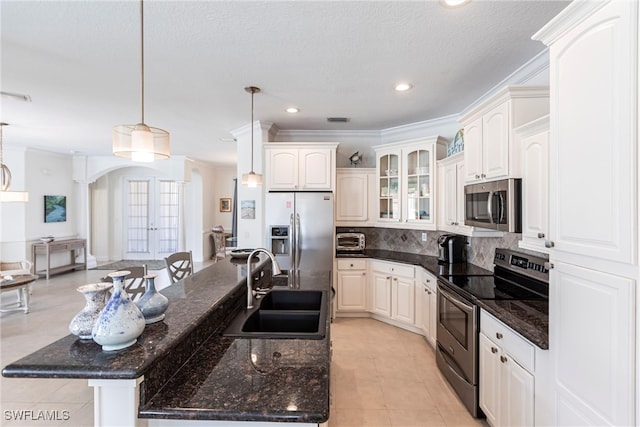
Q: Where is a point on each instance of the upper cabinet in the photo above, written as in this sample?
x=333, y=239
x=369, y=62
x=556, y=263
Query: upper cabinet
x=534, y=145
x=354, y=194
x=490, y=152
x=406, y=176
x=294, y=166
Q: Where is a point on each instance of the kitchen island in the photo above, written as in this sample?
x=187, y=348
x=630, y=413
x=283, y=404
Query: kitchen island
x=183, y=368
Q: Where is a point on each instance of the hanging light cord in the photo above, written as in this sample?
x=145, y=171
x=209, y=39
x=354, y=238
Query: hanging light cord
x=252, y=93
x=142, y=60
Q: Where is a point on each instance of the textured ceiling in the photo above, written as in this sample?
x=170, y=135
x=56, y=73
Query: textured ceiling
x=80, y=63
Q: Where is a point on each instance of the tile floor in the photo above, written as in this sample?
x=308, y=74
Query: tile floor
x=381, y=375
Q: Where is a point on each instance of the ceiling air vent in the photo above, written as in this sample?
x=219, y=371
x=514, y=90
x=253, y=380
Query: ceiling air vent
x=337, y=119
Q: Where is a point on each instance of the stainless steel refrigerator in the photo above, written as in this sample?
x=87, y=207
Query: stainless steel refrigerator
x=300, y=230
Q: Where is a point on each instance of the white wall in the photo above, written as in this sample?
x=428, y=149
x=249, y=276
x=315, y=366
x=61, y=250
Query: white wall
x=222, y=188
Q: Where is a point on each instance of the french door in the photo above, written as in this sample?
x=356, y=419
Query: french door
x=152, y=208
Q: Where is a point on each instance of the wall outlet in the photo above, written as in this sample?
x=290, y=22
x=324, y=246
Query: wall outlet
x=424, y=237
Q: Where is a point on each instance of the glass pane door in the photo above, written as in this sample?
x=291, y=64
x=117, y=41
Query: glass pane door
x=152, y=218
x=389, y=197
x=418, y=185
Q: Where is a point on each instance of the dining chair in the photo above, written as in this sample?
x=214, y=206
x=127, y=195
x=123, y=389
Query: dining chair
x=219, y=247
x=179, y=265
x=134, y=283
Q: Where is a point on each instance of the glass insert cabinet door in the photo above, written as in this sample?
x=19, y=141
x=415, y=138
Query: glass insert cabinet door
x=389, y=196
x=418, y=200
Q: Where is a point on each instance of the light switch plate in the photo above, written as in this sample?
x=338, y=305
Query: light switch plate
x=424, y=237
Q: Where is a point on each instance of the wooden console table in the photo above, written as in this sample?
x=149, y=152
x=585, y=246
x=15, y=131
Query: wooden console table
x=69, y=245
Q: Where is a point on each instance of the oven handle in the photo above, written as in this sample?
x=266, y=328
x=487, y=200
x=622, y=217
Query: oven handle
x=455, y=300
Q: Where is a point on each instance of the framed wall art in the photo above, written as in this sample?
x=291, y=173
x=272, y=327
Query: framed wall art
x=225, y=204
x=55, y=208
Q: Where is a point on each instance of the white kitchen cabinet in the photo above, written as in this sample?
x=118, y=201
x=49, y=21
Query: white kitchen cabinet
x=534, y=140
x=594, y=380
x=426, y=301
x=506, y=374
x=352, y=285
x=300, y=166
x=393, y=292
x=354, y=188
x=381, y=293
x=406, y=176
x=489, y=149
x=593, y=222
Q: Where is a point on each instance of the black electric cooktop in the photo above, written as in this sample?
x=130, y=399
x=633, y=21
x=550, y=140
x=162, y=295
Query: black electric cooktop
x=516, y=277
x=491, y=288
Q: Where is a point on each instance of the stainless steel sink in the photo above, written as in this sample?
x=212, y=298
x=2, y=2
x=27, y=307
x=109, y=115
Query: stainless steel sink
x=283, y=314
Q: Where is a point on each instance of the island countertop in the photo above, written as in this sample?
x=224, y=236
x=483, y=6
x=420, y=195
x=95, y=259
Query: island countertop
x=220, y=378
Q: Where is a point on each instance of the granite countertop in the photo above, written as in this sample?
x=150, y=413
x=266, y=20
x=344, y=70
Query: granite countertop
x=220, y=377
x=529, y=318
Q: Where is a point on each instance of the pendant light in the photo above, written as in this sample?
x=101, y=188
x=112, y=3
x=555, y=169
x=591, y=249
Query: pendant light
x=5, y=179
x=252, y=179
x=141, y=143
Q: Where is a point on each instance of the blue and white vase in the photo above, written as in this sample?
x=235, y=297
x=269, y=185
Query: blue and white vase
x=95, y=295
x=152, y=304
x=121, y=322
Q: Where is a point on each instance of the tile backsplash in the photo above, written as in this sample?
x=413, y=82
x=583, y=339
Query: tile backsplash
x=479, y=252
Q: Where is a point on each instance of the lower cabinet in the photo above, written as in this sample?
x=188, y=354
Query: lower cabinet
x=506, y=374
x=352, y=285
x=426, y=304
x=393, y=293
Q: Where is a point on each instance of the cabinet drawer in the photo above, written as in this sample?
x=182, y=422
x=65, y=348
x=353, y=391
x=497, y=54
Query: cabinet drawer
x=511, y=342
x=392, y=268
x=426, y=278
x=352, y=264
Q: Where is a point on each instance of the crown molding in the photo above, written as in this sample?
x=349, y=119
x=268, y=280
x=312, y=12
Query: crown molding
x=568, y=18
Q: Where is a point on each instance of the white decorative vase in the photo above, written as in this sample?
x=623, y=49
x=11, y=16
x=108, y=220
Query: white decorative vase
x=96, y=296
x=120, y=322
x=152, y=304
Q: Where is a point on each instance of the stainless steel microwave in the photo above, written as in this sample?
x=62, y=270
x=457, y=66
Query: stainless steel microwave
x=496, y=205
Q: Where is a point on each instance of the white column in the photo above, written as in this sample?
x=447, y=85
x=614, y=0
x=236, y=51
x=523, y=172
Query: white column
x=84, y=221
x=115, y=403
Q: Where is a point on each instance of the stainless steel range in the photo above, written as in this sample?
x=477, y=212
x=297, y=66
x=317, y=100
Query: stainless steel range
x=517, y=276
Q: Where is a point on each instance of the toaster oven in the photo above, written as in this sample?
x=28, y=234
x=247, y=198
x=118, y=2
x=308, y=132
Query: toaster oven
x=350, y=242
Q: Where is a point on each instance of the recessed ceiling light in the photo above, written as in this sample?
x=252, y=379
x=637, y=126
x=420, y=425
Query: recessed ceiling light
x=401, y=87
x=293, y=110
x=453, y=3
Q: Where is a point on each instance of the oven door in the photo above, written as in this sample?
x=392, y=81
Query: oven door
x=457, y=332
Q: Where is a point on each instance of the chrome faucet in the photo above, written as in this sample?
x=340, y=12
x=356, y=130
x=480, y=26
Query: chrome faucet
x=275, y=270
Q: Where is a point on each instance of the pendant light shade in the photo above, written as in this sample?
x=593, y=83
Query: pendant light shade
x=252, y=179
x=5, y=180
x=141, y=143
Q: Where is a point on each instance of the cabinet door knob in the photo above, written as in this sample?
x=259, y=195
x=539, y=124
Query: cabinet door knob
x=388, y=277
x=499, y=335
x=429, y=292
x=364, y=274
x=503, y=359
x=548, y=265
x=549, y=244
x=350, y=265
x=477, y=176
x=494, y=350
x=540, y=235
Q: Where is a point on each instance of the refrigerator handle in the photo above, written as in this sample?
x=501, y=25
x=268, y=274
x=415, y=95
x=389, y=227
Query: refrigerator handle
x=292, y=247
x=298, y=248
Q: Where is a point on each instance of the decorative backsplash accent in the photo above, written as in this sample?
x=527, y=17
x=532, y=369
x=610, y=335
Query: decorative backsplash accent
x=479, y=252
